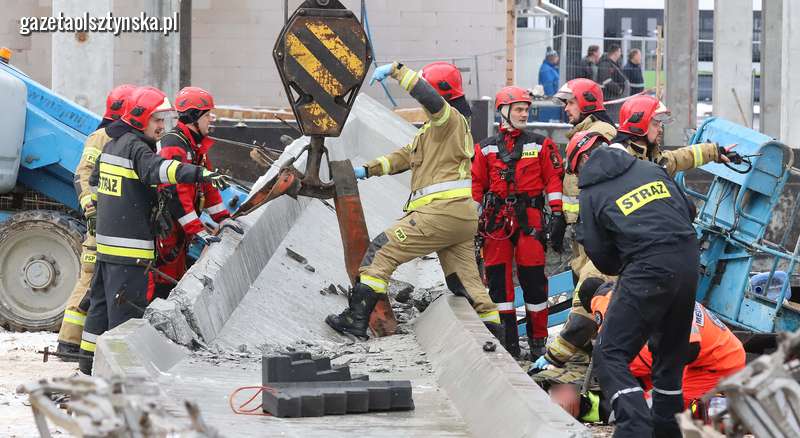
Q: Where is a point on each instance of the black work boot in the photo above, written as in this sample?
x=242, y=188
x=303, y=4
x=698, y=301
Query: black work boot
x=355, y=319
x=65, y=348
x=538, y=347
x=496, y=330
x=511, y=334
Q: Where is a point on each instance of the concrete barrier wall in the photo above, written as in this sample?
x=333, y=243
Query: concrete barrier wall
x=489, y=389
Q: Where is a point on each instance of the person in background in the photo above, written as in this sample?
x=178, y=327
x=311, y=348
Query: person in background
x=588, y=68
x=611, y=78
x=633, y=71
x=549, y=78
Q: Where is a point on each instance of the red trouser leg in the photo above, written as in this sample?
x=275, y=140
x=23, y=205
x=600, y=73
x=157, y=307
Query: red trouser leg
x=530, y=272
x=498, y=256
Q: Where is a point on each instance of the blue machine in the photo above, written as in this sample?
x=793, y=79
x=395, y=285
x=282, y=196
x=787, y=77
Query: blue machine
x=731, y=225
x=40, y=236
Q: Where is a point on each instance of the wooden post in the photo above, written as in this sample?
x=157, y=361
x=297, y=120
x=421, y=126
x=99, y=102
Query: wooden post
x=659, y=60
x=511, y=32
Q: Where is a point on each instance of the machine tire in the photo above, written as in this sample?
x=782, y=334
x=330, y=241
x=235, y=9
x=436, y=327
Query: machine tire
x=39, y=266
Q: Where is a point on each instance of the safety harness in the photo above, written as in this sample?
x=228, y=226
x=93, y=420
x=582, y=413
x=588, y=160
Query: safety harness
x=514, y=207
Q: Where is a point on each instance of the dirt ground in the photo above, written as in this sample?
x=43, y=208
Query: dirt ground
x=19, y=363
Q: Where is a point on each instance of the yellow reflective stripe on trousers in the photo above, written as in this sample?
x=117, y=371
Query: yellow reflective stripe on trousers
x=91, y=154
x=125, y=252
x=376, y=284
x=491, y=316
x=461, y=188
x=570, y=204
x=385, y=165
x=88, y=346
x=698, y=155
x=74, y=317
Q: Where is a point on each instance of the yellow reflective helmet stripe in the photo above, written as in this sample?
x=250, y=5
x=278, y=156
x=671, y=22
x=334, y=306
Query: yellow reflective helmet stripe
x=376, y=284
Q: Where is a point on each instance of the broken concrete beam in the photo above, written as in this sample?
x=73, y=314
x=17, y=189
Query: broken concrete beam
x=135, y=349
x=476, y=381
x=313, y=399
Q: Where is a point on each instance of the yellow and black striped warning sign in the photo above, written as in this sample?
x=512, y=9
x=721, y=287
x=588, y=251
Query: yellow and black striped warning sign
x=322, y=56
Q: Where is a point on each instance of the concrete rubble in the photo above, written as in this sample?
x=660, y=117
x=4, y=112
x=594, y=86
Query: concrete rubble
x=255, y=294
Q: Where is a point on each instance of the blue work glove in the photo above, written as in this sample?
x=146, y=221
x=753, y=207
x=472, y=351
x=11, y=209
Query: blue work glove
x=361, y=172
x=540, y=364
x=381, y=73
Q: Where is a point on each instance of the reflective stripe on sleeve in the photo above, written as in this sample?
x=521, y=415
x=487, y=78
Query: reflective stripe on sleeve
x=218, y=208
x=443, y=119
x=385, y=165
x=555, y=196
x=490, y=149
x=73, y=317
x=698, y=155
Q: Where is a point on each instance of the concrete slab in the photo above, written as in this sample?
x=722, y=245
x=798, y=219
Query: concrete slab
x=500, y=399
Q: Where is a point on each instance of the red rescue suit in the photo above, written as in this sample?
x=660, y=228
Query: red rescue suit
x=189, y=200
x=513, y=174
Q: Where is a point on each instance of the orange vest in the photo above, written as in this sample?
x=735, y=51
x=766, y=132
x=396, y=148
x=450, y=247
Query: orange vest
x=720, y=350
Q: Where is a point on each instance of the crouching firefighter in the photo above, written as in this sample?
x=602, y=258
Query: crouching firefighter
x=189, y=143
x=122, y=285
x=69, y=336
x=514, y=175
x=440, y=217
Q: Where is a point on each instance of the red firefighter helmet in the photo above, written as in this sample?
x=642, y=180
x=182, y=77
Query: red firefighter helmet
x=511, y=94
x=192, y=102
x=445, y=79
x=115, y=102
x=585, y=91
x=636, y=114
x=143, y=103
x=580, y=142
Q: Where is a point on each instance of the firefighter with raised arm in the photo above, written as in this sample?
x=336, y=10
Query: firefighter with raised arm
x=440, y=214
x=515, y=175
x=125, y=176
